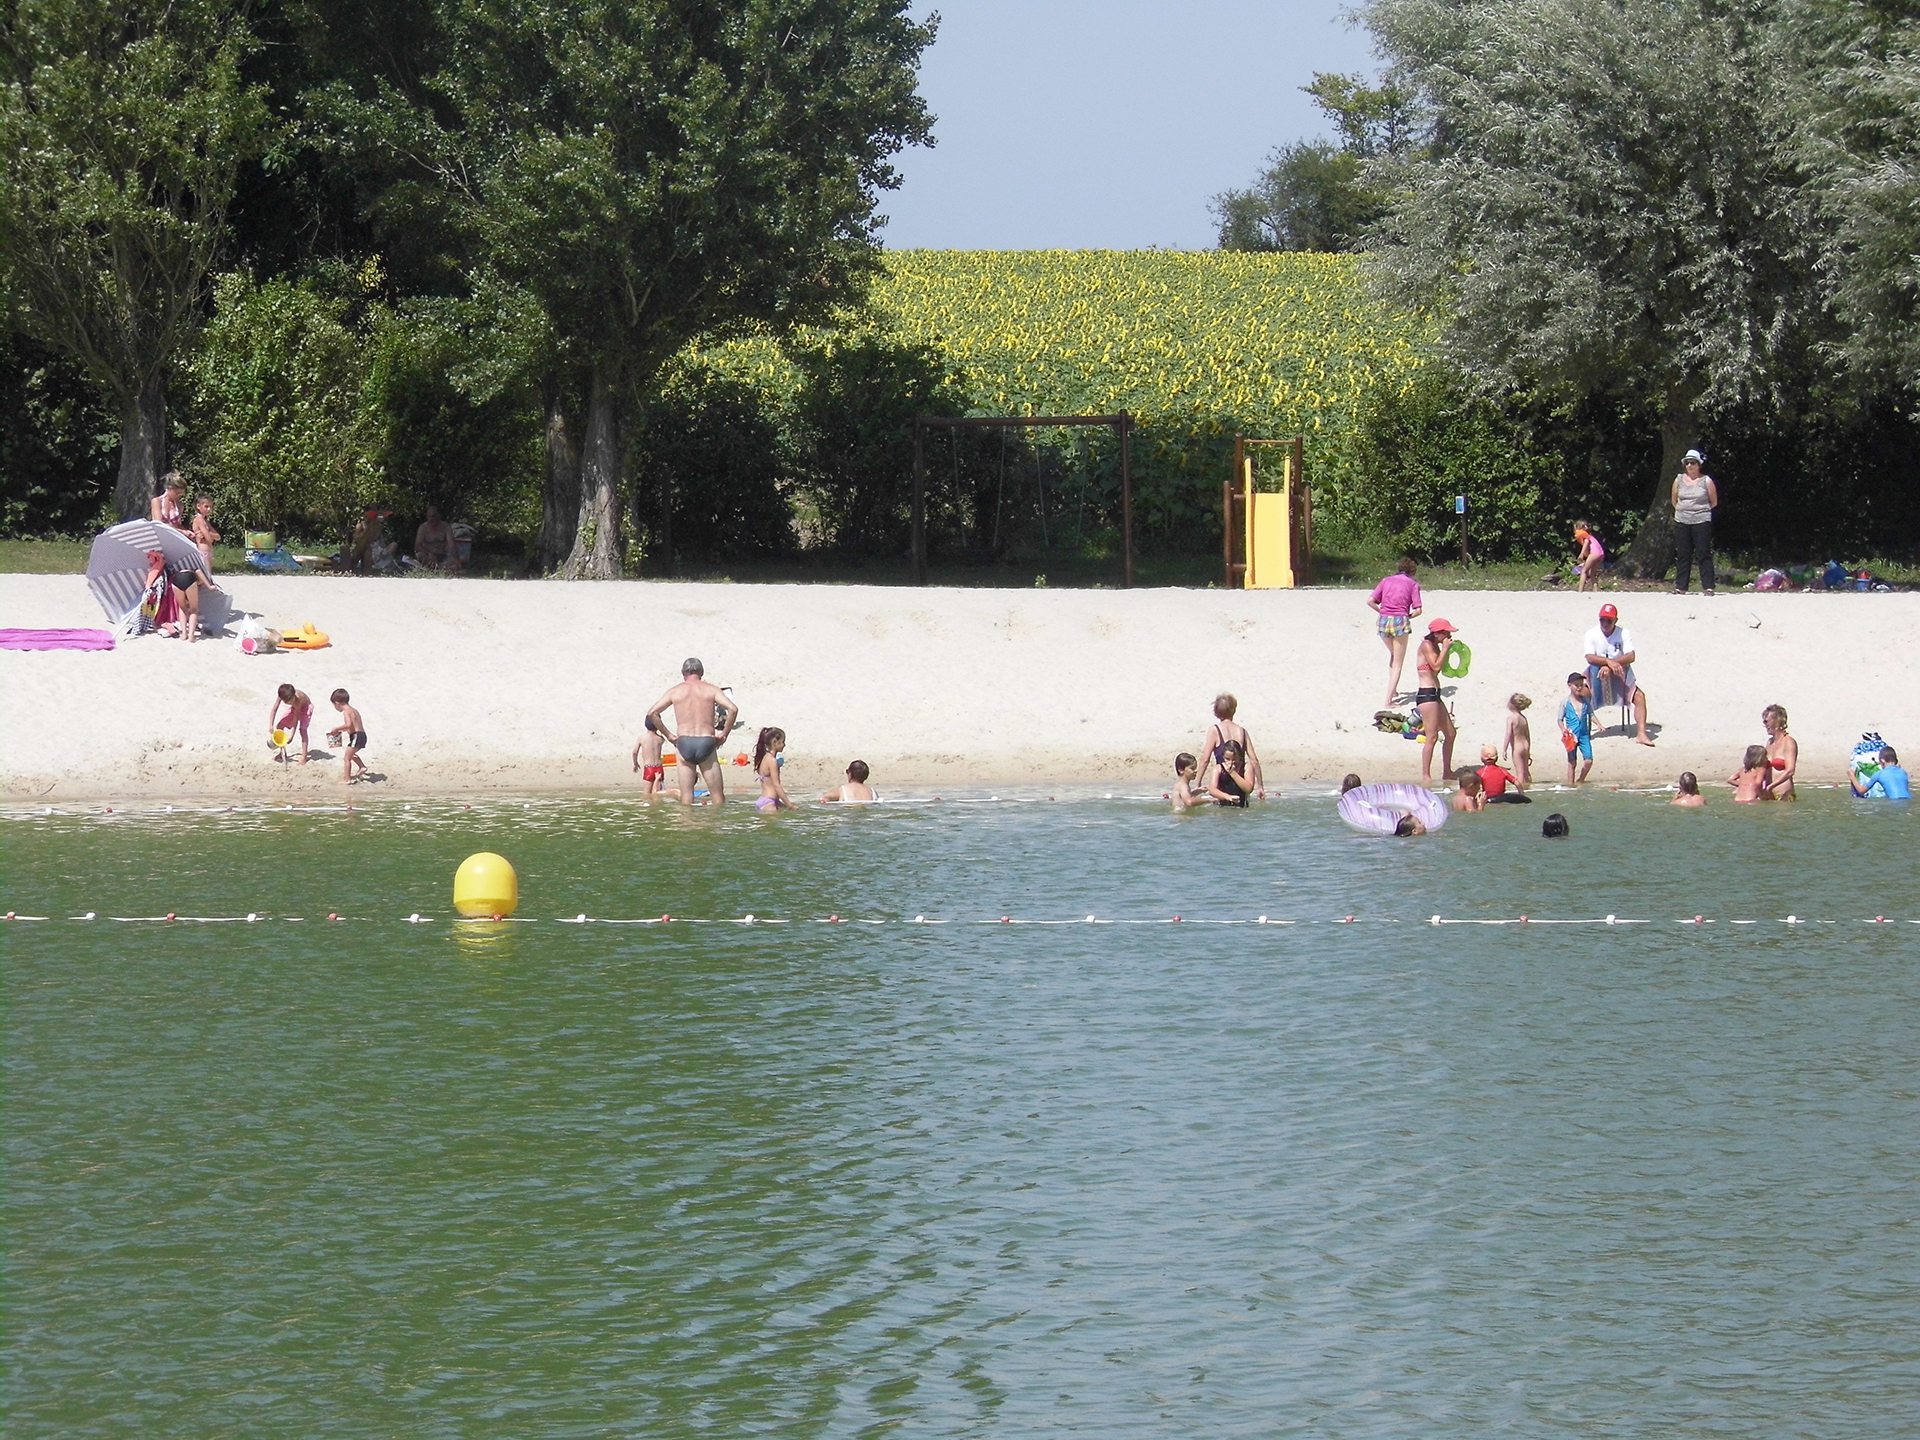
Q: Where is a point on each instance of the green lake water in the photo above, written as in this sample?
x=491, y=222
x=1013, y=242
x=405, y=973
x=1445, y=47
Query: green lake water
x=920, y=1172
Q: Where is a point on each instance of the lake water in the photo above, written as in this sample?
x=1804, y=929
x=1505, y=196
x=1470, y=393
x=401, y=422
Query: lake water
x=947, y=1176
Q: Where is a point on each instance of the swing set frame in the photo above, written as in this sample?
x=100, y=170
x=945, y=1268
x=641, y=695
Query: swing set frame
x=1121, y=424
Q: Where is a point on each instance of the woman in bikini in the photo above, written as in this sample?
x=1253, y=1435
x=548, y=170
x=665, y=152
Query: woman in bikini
x=165, y=507
x=1224, y=731
x=1436, y=721
x=1783, y=752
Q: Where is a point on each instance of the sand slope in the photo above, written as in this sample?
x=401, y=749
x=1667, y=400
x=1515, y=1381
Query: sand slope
x=526, y=685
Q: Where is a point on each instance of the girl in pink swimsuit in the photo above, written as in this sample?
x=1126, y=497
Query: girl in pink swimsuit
x=766, y=763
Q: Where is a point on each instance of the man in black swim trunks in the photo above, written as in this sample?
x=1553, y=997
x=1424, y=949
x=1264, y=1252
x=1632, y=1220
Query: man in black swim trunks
x=699, y=710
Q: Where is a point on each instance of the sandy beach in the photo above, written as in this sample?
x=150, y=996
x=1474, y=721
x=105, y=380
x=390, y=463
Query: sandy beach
x=524, y=686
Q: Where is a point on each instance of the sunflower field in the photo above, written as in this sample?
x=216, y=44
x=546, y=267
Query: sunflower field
x=1196, y=345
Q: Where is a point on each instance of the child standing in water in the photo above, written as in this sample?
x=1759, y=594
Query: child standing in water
x=1689, y=791
x=766, y=762
x=1186, y=774
x=1230, y=784
x=1750, y=780
x=299, y=714
x=352, y=733
x=1592, y=555
x=1518, y=746
x=648, y=751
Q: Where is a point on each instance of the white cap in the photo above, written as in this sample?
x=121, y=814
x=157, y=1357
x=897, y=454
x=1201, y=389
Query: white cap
x=1693, y=457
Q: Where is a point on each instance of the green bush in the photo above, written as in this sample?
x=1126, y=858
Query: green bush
x=1422, y=444
x=290, y=432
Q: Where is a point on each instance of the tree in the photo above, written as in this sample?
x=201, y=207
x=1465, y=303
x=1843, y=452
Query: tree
x=1311, y=195
x=1602, y=205
x=283, y=387
x=1859, y=141
x=1308, y=198
x=652, y=173
x=124, y=124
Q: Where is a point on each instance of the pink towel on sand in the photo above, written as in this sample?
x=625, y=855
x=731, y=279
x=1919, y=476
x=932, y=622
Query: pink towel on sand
x=56, y=640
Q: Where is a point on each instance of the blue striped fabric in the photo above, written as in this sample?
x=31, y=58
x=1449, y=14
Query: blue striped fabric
x=117, y=564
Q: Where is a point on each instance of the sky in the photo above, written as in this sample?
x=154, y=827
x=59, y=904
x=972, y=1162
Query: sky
x=1107, y=124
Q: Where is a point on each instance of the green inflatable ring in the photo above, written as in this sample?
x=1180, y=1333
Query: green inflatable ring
x=1457, y=661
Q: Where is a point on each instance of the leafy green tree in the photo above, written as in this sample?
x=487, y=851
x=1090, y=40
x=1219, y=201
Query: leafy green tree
x=652, y=173
x=1312, y=196
x=283, y=385
x=124, y=124
x=1603, y=204
x=1859, y=142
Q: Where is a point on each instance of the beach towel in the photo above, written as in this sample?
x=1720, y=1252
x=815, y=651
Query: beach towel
x=56, y=639
x=156, y=607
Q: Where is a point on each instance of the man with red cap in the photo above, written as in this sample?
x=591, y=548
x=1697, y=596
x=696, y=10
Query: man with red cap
x=1610, y=657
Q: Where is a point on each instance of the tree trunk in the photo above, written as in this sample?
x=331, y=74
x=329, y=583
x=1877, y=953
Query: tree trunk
x=560, y=494
x=143, y=449
x=1650, y=555
x=596, y=544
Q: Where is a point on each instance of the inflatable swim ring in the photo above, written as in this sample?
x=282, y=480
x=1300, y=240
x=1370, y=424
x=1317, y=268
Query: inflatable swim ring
x=305, y=638
x=1457, y=661
x=1376, y=809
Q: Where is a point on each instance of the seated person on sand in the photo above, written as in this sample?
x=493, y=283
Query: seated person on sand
x=1610, y=657
x=854, y=790
x=704, y=715
x=433, y=544
x=368, y=549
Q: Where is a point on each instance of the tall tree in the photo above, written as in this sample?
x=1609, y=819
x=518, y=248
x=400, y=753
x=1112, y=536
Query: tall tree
x=1311, y=196
x=1859, y=140
x=1603, y=207
x=124, y=124
x=654, y=172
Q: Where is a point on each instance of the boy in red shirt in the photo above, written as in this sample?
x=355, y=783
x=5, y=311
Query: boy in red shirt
x=1495, y=777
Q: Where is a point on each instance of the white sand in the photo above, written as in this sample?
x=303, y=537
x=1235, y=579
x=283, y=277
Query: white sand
x=482, y=685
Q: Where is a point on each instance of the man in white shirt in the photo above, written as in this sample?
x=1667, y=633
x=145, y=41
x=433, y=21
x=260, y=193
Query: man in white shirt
x=1610, y=657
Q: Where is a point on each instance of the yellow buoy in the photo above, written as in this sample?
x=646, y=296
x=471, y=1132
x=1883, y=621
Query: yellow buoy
x=485, y=885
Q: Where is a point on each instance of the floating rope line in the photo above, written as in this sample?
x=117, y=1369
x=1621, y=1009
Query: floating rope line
x=1271, y=921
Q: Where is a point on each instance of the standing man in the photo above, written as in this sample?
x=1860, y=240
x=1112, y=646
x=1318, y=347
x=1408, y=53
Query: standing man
x=703, y=717
x=1610, y=657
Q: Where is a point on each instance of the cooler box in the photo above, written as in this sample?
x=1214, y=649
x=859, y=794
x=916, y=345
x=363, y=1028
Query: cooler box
x=261, y=540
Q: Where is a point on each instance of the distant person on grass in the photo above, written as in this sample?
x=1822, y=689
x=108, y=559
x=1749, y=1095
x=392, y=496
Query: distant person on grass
x=433, y=544
x=703, y=717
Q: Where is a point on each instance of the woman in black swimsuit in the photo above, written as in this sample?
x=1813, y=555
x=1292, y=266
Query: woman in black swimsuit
x=1436, y=721
x=1230, y=785
x=1225, y=731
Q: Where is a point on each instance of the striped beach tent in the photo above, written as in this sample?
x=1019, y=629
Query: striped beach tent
x=117, y=564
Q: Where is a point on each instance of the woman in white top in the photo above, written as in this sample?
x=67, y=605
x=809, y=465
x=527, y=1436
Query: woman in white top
x=1695, y=497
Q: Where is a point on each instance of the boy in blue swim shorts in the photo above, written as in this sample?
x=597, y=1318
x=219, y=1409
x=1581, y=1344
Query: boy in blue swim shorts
x=1576, y=727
